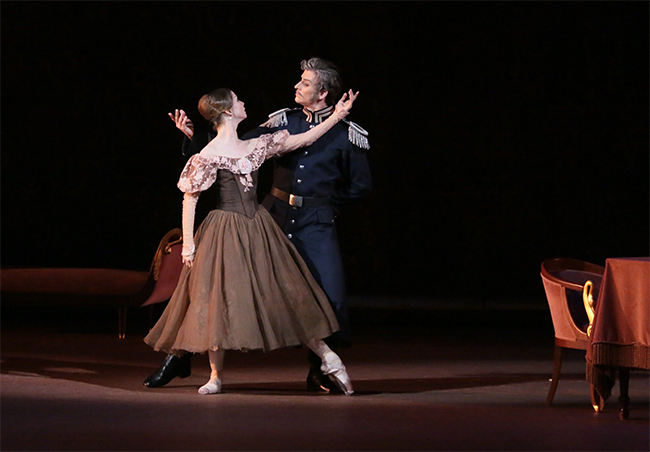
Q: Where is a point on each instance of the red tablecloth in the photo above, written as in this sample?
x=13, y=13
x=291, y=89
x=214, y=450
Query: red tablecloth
x=620, y=335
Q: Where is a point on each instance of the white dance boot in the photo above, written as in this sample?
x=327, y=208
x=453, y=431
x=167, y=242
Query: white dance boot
x=333, y=367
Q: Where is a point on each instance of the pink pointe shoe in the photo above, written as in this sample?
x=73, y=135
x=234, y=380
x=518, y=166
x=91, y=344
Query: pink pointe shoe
x=211, y=387
x=333, y=367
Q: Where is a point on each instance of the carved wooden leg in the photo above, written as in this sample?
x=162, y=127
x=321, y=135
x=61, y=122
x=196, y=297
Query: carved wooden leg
x=597, y=401
x=121, y=322
x=557, y=367
x=624, y=400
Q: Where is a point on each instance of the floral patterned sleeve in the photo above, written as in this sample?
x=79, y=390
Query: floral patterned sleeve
x=198, y=175
x=273, y=143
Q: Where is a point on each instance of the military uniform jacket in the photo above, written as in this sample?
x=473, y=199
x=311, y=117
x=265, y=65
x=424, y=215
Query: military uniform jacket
x=332, y=167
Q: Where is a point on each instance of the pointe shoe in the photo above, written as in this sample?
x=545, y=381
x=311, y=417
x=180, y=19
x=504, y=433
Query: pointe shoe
x=211, y=387
x=333, y=367
x=172, y=367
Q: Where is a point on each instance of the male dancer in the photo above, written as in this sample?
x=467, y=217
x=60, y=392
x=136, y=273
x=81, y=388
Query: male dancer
x=309, y=186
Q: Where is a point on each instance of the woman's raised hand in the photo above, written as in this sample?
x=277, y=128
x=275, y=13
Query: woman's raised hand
x=183, y=122
x=345, y=104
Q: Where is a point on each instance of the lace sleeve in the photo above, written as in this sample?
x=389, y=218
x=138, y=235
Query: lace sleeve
x=273, y=143
x=198, y=175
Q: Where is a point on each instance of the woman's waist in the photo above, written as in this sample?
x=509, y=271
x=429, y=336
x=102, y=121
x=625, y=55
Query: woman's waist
x=248, y=209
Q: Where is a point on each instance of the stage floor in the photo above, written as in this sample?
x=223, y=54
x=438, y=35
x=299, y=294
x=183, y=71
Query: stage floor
x=424, y=380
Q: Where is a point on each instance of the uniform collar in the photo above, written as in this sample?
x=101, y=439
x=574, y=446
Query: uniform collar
x=318, y=116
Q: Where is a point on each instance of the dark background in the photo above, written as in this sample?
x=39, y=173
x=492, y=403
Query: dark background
x=502, y=133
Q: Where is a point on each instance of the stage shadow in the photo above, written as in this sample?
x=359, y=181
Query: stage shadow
x=405, y=385
x=131, y=377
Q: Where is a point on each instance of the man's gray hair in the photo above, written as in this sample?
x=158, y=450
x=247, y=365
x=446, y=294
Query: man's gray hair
x=328, y=77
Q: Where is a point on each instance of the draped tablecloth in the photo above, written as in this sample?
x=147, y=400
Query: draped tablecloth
x=620, y=335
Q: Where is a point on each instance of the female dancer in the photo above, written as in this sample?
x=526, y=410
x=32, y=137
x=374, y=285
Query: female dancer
x=244, y=286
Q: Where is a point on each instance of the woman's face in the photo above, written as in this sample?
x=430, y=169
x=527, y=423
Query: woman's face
x=238, y=110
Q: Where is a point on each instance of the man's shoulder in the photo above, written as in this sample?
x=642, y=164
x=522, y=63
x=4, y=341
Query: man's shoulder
x=357, y=135
x=348, y=130
x=280, y=117
x=352, y=133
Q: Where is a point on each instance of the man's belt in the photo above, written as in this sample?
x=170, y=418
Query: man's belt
x=298, y=201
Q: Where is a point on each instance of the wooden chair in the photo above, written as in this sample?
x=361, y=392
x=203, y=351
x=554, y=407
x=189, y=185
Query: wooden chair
x=100, y=287
x=564, y=282
x=163, y=276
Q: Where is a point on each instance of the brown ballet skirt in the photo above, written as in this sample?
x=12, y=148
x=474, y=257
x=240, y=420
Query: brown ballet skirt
x=248, y=287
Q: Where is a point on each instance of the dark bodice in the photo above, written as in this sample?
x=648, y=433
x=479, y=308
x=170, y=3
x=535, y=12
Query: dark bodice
x=234, y=196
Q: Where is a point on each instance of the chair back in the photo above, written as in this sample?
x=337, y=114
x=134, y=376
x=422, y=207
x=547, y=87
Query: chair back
x=564, y=280
x=166, y=267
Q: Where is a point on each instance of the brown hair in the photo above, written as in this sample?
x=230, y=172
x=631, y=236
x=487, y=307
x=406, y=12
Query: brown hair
x=213, y=104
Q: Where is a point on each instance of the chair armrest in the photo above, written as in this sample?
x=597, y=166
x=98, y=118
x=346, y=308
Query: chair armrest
x=588, y=300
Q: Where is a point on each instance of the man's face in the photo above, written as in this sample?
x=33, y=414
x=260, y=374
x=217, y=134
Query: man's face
x=306, y=90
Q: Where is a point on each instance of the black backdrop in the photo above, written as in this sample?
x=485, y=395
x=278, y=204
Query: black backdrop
x=502, y=133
